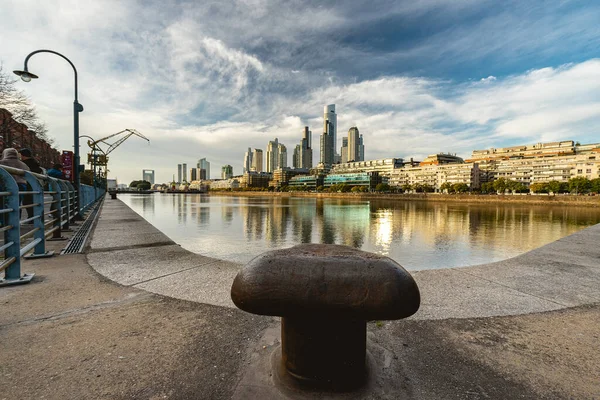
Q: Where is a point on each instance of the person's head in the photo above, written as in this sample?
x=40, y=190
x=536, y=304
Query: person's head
x=25, y=153
x=10, y=153
x=57, y=166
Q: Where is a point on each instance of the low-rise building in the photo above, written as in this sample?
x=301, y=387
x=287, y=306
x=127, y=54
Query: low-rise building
x=368, y=179
x=384, y=167
x=281, y=176
x=222, y=184
x=255, y=180
x=308, y=182
x=435, y=175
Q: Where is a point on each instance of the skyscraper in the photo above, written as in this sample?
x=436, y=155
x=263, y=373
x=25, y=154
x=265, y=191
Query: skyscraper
x=148, y=175
x=184, y=172
x=179, y=173
x=282, y=150
x=272, y=155
x=361, y=149
x=205, y=165
x=227, y=171
x=257, y=160
x=306, y=155
x=248, y=160
x=193, y=174
x=327, y=151
x=330, y=116
x=344, y=150
x=296, y=160
x=353, y=145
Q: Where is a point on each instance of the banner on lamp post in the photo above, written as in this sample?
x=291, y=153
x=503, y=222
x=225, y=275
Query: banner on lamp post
x=67, y=159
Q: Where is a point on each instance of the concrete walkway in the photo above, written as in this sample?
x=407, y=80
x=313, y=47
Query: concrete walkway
x=73, y=334
x=566, y=273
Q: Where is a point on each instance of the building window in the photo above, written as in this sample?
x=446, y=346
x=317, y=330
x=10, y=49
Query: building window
x=588, y=171
x=579, y=171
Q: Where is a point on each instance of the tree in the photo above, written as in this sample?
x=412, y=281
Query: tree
x=579, y=184
x=487, y=187
x=460, y=187
x=595, y=185
x=555, y=187
x=406, y=188
x=382, y=187
x=516, y=187
x=500, y=185
x=144, y=185
x=356, y=189
x=539, y=187
x=446, y=186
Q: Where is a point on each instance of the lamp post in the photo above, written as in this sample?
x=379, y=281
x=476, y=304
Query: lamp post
x=27, y=76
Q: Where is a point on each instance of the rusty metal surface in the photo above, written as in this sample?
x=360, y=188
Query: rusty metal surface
x=323, y=281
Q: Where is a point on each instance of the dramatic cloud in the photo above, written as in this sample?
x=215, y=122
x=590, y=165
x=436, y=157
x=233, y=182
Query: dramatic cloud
x=212, y=79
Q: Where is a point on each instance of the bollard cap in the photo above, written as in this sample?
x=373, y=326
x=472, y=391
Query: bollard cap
x=326, y=281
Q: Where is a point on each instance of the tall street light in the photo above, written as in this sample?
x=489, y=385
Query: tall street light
x=27, y=76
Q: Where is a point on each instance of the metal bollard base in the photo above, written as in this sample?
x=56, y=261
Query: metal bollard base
x=26, y=278
x=34, y=256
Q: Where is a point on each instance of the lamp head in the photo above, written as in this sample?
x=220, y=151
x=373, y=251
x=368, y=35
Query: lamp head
x=25, y=75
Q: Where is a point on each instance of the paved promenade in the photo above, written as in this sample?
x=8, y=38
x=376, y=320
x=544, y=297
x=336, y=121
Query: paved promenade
x=162, y=326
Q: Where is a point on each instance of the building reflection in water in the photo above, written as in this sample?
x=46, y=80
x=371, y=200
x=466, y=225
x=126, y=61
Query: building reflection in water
x=417, y=234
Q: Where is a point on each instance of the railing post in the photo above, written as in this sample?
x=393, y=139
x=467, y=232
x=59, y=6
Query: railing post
x=66, y=200
x=12, y=232
x=56, y=208
x=38, y=218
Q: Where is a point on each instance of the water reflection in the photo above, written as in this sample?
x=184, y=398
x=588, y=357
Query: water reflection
x=418, y=235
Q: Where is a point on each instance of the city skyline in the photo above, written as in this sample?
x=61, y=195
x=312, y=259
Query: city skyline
x=483, y=75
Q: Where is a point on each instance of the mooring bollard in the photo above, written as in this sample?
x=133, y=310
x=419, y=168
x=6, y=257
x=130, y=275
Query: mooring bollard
x=325, y=294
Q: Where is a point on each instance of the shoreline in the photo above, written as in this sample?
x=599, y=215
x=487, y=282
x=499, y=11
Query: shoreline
x=583, y=201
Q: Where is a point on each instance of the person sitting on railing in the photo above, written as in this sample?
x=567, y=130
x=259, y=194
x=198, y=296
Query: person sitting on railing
x=56, y=171
x=34, y=166
x=10, y=158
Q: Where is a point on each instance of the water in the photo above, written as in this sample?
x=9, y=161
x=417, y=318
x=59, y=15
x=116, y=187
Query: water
x=418, y=235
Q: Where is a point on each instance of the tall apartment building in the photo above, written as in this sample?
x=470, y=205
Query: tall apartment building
x=148, y=175
x=184, y=172
x=306, y=153
x=282, y=162
x=329, y=116
x=272, y=155
x=247, y=160
x=361, y=149
x=226, y=171
x=354, y=142
x=344, y=150
x=257, y=161
x=296, y=161
x=179, y=173
x=205, y=165
x=327, y=145
x=194, y=175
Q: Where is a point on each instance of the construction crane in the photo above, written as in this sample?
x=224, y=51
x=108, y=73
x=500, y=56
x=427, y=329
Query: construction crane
x=101, y=160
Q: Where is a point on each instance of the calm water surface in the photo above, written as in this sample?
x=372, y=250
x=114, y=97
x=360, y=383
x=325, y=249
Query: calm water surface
x=418, y=235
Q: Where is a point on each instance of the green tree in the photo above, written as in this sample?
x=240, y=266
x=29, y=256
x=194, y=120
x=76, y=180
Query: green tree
x=595, y=185
x=134, y=184
x=460, y=187
x=539, y=187
x=516, y=187
x=446, y=186
x=555, y=187
x=487, y=187
x=382, y=187
x=144, y=185
x=356, y=189
x=500, y=185
x=579, y=184
x=406, y=188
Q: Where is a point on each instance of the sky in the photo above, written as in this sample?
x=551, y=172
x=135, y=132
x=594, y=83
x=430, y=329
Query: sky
x=210, y=79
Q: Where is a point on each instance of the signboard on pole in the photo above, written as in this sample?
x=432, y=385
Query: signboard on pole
x=67, y=162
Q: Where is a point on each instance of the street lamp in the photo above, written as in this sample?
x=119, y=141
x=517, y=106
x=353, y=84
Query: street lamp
x=27, y=76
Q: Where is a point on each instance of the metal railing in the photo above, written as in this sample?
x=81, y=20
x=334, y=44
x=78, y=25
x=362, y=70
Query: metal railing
x=54, y=207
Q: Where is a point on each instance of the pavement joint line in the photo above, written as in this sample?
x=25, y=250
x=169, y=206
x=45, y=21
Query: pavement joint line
x=133, y=246
x=84, y=310
x=511, y=288
x=174, y=273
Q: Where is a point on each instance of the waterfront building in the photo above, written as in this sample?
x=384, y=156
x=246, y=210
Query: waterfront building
x=308, y=182
x=179, y=173
x=306, y=154
x=257, y=161
x=354, y=142
x=231, y=183
x=384, y=166
x=272, y=155
x=255, y=180
x=247, y=160
x=205, y=165
x=282, y=158
x=281, y=176
x=344, y=150
x=184, y=171
x=194, y=176
x=226, y=171
x=296, y=162
x=330, y=119
x=442, y=158
x=202, y=174
x=327, y=145
x=361, y=149
x=148, y=175
x=435, y=175
x=368, y=179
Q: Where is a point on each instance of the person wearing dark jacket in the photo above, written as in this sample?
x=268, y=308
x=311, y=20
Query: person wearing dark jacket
x=10, y=158
x=34, y=166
